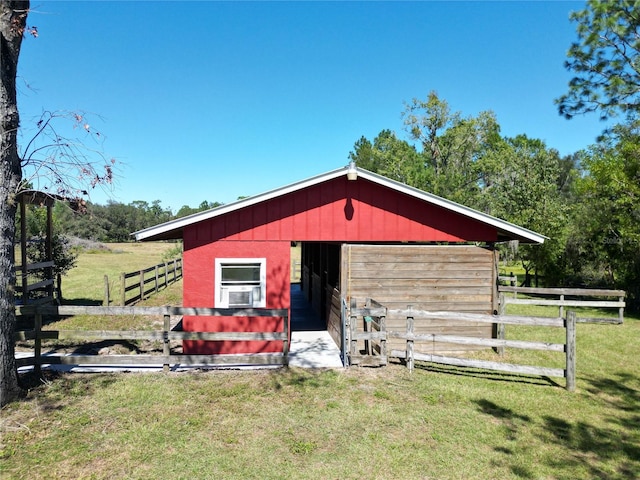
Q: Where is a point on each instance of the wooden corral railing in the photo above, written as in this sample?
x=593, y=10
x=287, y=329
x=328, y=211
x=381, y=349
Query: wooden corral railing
x=511, y=280
x=165, y=335
x=577, y=299
x=410, y=356
x=373, y=333
x=569, y=348
x=136, y=286
x=25, y=287
x=296, y=271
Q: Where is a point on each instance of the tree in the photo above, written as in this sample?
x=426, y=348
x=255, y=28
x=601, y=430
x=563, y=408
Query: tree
x=524, y=189
x=391, y=157
x=13, y=22
x=606, y=239
x=50, y=160
x=605, y=60
x=451, y=146
x=187, y=210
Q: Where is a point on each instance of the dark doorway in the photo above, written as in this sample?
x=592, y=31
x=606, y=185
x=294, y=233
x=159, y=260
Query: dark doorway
x=303, y=317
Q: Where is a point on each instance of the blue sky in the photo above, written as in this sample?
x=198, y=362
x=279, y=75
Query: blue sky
x=214, y=100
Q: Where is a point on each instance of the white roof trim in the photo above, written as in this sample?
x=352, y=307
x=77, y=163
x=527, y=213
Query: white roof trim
x=180, y=223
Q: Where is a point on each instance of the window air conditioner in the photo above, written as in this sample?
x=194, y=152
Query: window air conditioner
x=240, y=296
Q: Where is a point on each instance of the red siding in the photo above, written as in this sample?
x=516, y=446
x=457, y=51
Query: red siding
x=334, y=211
x=343, y=211
x=199, y=281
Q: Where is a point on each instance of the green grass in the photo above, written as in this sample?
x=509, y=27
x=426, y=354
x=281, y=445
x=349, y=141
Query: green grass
x=437, y=423
x=85, y=283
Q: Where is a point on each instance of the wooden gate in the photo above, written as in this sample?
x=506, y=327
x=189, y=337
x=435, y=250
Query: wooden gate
x=372, y=337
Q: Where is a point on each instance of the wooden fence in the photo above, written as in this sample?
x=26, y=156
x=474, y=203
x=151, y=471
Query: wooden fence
x=511, y=280
x=374, y=334
x=165, y=335
x=136, y=286
x=410, y=356
x=576, y=299
x=26, y=287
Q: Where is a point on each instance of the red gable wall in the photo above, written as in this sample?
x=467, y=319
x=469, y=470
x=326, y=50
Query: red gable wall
x=334, y=211
x=343, y=211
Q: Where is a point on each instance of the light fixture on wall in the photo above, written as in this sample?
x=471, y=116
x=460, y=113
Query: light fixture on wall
x=352, y=172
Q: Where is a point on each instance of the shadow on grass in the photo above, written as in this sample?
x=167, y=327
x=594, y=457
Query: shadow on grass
x=302, y=378
x=613, y=441
x=487, y=375
x=113, y=347
x=53, y=390
x=83, y=302
x=607, y=447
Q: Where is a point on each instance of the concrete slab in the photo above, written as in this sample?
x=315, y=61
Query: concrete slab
x=308, y=349
x=313, y=349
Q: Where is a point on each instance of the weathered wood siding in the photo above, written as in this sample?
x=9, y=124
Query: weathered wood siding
x=436, y=278
x=316, y=292
x=334, y=314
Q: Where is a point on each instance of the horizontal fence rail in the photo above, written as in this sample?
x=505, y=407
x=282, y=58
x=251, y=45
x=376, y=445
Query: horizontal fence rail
x=414, y=315
x=165, y=336
x=509, y=279
x=561, y=302
x=138, y=285
x=26, y=286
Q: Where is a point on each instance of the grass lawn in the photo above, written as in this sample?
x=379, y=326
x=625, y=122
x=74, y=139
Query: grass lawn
x=381, y=423
x=84, y=284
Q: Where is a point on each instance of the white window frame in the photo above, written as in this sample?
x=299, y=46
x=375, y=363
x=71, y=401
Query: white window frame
x=221, y=291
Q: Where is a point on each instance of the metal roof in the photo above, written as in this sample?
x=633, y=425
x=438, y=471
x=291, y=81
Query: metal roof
x=173, y=228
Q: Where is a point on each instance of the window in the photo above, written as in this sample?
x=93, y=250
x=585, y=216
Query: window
x=240, y=282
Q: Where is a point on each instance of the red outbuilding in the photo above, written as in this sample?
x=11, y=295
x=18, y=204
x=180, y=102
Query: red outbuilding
x=361, y=234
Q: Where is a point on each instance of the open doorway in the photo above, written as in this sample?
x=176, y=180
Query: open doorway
x=315, y=274
x=312, y=345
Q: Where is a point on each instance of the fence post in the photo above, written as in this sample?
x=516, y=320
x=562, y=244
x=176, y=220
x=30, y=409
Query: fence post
x=409, y=354
x=285, y=342
x=141, y=285
x=156, y=273
x=37, y=344
x=366, y=328
x=123, y=284
x=570, y=325
x=500, y=327
x=59, y=288
x=561, y=307
x=105, y=302
x=383, y=341
x=621, y=310
x=166, y=275
x=352, y=327
x=166, y=348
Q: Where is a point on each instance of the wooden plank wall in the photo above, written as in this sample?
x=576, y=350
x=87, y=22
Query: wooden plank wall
x=430, y=277
x=334, y=314
x=316, y=293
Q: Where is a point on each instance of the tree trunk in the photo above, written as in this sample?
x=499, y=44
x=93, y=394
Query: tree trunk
x=13, y=18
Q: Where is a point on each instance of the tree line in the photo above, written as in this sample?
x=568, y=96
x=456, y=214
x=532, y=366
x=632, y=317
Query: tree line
x=110, y=223
x=586, y=203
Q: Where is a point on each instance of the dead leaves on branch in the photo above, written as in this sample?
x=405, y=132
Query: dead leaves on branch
x=64, y=158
